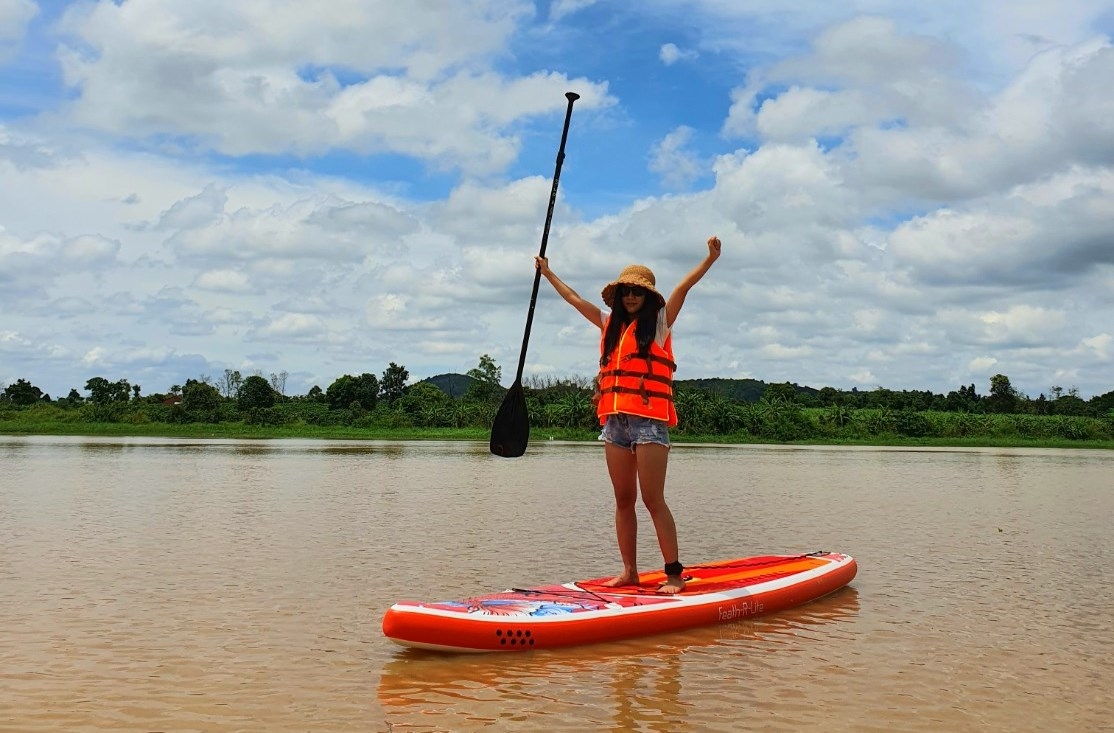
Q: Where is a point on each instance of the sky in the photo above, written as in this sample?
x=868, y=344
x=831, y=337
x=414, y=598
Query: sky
x=909, y=195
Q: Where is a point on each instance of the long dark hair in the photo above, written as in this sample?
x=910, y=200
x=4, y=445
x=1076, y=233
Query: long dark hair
x=644, y=332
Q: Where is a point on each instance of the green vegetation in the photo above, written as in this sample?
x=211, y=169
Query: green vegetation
x=366, y=406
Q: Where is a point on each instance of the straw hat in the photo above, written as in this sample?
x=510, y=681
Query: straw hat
x=638, y=275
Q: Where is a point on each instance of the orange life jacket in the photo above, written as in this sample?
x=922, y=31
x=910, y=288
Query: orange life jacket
x=632, y=385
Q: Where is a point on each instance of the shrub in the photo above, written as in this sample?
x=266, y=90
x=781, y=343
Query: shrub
x=911, y=424
x=266, y=416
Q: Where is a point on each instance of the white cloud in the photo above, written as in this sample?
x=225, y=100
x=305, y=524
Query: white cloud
x=1024, y=324
x=671, y=159
x=671, y=54
x=293, y=325
x=227, y=281
x=863, y=376
x=869, y=51
x=494, y=214
x=94, y=357
x=195, y=212
x=908, y=124
x=252, y=78
x=1100, y=346
x=89, y=250
x=862, y=72
x=868, y=319
x=1046, y=232
x=13, y=338
x=560, y=8
x=782, y=352
x=982, y=365
x=1053, y=116
x=397, y=312
x=997, y=40
x=29, y=266
x=15, y=15
x=800, y=114
x=792, y=192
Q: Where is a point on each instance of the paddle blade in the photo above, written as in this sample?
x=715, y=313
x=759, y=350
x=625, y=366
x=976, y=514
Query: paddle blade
x=511, y=430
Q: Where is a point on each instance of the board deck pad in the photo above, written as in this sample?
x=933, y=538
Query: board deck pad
x=587, y=611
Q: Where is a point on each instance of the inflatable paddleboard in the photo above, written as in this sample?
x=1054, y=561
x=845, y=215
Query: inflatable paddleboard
x=587, y=612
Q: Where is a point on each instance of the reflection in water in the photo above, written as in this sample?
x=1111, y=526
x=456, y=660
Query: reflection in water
x=219, y=586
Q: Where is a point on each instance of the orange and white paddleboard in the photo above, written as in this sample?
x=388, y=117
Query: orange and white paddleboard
x=587, y=612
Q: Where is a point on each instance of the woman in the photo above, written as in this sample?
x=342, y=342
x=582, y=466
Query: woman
x=635, y=401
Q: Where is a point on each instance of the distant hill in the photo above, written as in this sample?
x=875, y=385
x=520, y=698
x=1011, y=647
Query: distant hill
x=745, y=390
x=454, y=385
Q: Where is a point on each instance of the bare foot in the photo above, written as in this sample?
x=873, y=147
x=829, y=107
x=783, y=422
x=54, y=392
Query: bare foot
x=621, y=580
x=673, y=585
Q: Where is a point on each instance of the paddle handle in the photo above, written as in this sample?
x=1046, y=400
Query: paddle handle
x=572, y=97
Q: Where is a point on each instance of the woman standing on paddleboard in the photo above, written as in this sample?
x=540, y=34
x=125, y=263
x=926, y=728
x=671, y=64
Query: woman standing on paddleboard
x=635, y=401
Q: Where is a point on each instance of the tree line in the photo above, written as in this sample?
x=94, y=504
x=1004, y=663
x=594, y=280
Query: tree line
x=359, y=400
x=742, y=408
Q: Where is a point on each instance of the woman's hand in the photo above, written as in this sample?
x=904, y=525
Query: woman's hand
x=542, y=263
x=714, y=246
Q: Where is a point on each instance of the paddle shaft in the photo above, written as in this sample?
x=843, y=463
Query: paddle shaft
x=572, y=97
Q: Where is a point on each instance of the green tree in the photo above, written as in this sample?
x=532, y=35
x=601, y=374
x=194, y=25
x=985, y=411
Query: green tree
x=487, y=371
x=784, y=392
x=1003, y=397
x=1102, y=404
x=965, y=399
x=201, y=401
x=427, y=405
x=486, y=387
x=102, y=392
x=394, y=381
x=255, y=393
x=98, y=389
x=22, y=393
x=348, y=390
x=121, y=391
x=1071, y=405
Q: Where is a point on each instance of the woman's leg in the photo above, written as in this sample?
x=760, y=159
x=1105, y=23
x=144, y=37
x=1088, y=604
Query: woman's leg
x=652, y=462
x=623, y=469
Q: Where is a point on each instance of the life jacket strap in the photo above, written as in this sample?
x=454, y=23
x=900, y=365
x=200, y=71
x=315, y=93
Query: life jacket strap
x=644, y=393
x=637, y=375
x=653, y=357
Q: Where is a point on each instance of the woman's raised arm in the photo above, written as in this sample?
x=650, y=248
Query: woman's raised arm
x=677, y=298
x=589, y=310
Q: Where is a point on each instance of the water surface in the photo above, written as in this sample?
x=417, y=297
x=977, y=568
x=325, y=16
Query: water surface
x=220, y=585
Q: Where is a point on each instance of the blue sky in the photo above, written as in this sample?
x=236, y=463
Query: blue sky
x=909, y=197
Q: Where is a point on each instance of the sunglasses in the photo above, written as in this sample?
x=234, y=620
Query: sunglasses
x=635, y=290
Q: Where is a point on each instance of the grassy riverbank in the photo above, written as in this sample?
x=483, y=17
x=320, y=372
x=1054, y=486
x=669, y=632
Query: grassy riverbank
x=243, y=431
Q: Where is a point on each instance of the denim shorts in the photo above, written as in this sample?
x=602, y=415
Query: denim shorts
x=627, y=431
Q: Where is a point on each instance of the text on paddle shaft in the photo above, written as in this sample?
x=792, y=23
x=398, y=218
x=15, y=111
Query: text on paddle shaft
x=738, y=610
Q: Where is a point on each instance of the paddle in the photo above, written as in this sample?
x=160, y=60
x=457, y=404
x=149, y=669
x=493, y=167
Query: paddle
x=511, y=430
